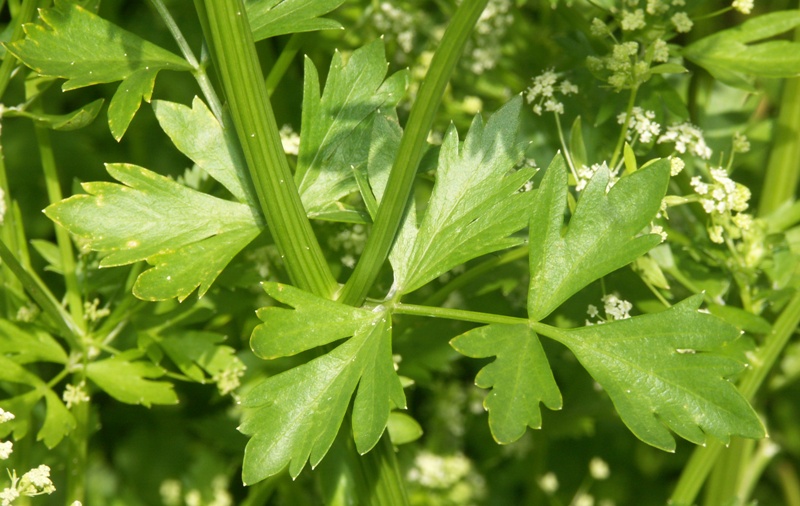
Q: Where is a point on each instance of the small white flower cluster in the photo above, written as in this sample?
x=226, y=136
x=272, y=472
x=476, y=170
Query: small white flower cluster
x=641, y=125
x=451, y=475
x=741, y=144
x=395, y=24
x=543, y=92
x=486, y=46
x=642, y=42
x=720, y=199
x=290, y=140
x=585, y=173
x=687, y=138
x=350, y=242
x=228, y=379
x=75, y=394
x=92, y=312
x=548, y=482
x=743, y=6
x=34, y=482
x=613, y=307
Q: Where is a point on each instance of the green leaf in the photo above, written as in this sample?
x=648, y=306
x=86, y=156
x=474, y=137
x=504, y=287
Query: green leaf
x=666, y=371
x=70, y=121
x=199, y=353
x=269, y=18
x=402, y=428
x=475, y=205
x=25, y=345
x=520, y=377
x=198, y=135
x=77, y=45
x=728, y=56
x=129, y=380
x=58, y=422
x=337, y=126
x=602, y=234
x=295, y=416
x=188, y=236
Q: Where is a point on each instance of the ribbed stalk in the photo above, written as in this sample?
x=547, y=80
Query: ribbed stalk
x=783, y=168
x=401, y=178
x=236, y=60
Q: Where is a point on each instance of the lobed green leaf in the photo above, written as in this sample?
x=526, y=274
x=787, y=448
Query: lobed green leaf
x=188, y=236
x=667, y=371
x=198, y=135
x=83, y=48
x=602, y=235
x=294, y=417
x=520, y=377
x=475, y=206
x=269, y=18
x=130, y=381
x=729, y=57
x=337, y=127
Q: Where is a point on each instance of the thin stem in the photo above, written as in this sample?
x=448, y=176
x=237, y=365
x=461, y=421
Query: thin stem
x=624, y=132
x=564, y=148
x=702, y=460
x=280, y=67
x=236, y=60
x=42, y=296
x=199, y=73
x=457, y=314
x=25, y=15
x=73, y=295
x=404, y=170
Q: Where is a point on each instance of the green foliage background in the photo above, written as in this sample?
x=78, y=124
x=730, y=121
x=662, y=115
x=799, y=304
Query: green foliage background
x=195, y=442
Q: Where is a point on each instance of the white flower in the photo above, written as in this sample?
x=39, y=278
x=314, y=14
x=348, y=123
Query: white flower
x=655, y=7
x=542, y=93
x=687, y=137
x=75, y=394
x=5, y=416
x=598, y=468
x=642, y=123
x=632, y=20
x=676, y=166
x=549, y=483
x=743, y=6
x=2, y=205
x=598, y=28
x=682, y=22
x=39, y=477
x=660, y=51
x=658, y=229
x=740, y=143
x=8, y=496
x=290, y=141
x=6, y=448
x=616, y=308
x=227, y=380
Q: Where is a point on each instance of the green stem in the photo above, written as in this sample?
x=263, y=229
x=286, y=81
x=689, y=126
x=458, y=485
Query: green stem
x=783, y=168
x=234, y=53
x=25, y=15
x=702, y=460
x=789, y=483
x=458, y=314
x=73, y=295
x=624, y=133
x=42, y=296
x=199, y=73
x=404, y=170
x=280, y=67
x=78, y=455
